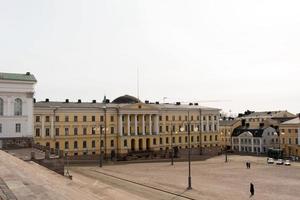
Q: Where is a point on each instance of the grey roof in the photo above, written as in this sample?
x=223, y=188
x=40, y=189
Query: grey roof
x=17, y=77
x=126, y=99
x=269, y=114
x=292, y=121
x=53, y=104
x=228, y=122
x=255, y=132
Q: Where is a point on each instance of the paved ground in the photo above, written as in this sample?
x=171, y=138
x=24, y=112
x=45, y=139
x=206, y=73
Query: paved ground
x=211, y=179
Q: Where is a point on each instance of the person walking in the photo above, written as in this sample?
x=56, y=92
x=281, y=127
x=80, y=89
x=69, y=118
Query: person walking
x=251, y=189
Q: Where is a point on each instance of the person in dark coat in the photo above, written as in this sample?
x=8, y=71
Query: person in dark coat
x=251, y=189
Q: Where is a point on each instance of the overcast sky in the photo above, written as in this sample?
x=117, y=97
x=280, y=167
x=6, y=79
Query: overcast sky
x=245, y=54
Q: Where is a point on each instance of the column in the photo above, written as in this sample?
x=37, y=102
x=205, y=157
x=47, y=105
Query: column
x=207, y=123
x=213, y=123
x=240, y=145
x=156, y=124
x=52, y=126
x=150, y=124
x=252, y=145
x=120, y=124
x=128, y=124
x=143, y=124
x=43, y=126
x=135, y=124
x=260, y=145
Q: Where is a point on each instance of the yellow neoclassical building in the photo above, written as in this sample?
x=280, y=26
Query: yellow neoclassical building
x=123, y=126
x=290, y=137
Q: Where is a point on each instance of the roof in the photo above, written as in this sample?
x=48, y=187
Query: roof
x=292, y=121
x=274, y=114
x=255, y=132
x=17, y=77
x=228, y=122
x=126, y=99
x=53, y=104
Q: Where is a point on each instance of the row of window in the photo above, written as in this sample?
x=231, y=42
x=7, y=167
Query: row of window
x=67, y=131
x=93, y=118
x=17, y=128
x=290, y=130
x=17, y=107
x=112, y=143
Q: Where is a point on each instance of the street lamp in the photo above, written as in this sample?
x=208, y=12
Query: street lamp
x=172, y=151
x=100, y=129
x=189, y=155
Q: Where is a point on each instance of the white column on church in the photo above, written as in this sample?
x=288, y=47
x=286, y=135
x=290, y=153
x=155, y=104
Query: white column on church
x=135, y=124
x=143, y=124
x=150, y=124
x=128, y=124
x=252, y=145
x=121, y=124
x=240, y=148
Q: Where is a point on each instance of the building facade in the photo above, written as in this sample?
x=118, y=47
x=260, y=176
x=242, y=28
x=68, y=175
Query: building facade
x=227, y=127
x=254, y=140
x=290, y=137
x=16, y=107
x=123, y=126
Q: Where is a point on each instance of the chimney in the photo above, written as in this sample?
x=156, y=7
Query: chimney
x=146, y=102
x=178, y=103
x=67, y=101
x=107, y=101
x=94, y=101
x=27, y=73
x=79, y=101
x=196, y=104
x=190, y=104
x=34, y=100
x=47, y=100
x=157, y=102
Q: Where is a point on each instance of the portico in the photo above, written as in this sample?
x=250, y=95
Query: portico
x=133, y=124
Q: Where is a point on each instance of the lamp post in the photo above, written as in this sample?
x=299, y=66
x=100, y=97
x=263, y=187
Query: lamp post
x=172, y=151
x=101, y=129
x=189, y=154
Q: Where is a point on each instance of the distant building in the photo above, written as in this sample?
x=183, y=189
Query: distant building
x=290, y=137
x=126, y=125
x=254, y=140
x=227, y=127
x=273, y=119
x=16, y=107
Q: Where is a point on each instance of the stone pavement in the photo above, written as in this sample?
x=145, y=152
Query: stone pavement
x=29, y=181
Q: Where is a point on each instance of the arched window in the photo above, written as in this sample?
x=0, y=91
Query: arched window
x=1, y=106
x=18, y=107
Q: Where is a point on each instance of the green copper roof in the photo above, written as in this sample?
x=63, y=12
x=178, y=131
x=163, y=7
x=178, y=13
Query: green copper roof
x=17, y=77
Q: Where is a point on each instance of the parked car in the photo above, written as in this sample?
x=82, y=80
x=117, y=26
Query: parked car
x=287, y=163
x=270, y=161
x=279, y=162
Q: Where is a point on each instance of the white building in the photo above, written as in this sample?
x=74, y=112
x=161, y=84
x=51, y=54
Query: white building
x=16, y=106
x=254, y=140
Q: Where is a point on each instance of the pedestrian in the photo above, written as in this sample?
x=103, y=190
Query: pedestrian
x=251, y=189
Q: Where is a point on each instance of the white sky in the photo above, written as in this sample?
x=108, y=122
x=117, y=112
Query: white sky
x=244, y=53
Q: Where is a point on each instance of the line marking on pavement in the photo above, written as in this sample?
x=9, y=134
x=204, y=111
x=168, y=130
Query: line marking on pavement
x=144, y=185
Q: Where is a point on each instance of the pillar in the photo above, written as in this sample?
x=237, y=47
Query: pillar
x=135, y=124
x=128, y=124
x=52, y=126
x=252, y=145
x=150, y=124
x=120, y=125
x=43, y=126
x=143, y=124
x=240, y=144
x=156, y=124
